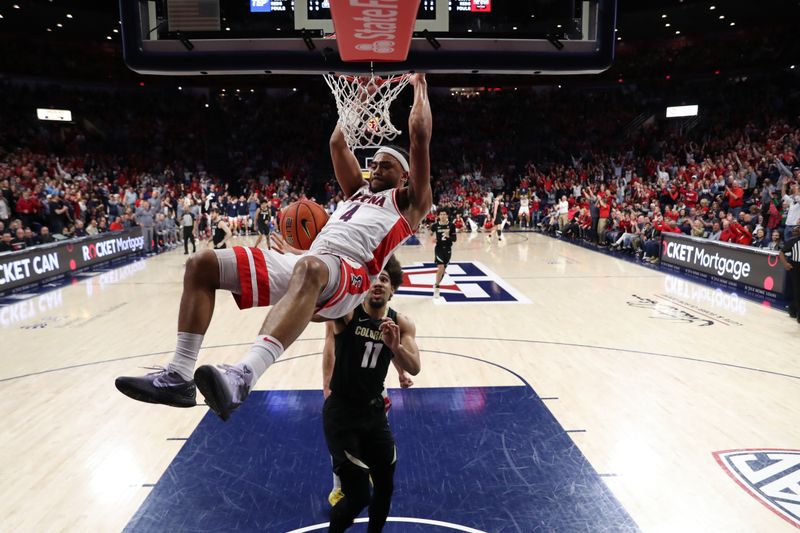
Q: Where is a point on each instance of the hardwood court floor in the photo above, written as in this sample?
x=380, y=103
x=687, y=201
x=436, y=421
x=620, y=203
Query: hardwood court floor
x=650, y=374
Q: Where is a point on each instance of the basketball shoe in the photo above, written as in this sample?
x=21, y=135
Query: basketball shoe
x=335, y=496
x=224, y=391
x=160, y=386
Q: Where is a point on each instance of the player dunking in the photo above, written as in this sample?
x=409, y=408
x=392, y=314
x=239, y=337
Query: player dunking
x=362, y=344
x=326, y=283
x=445, y=232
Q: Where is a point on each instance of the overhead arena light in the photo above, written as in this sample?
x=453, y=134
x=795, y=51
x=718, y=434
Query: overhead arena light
x=58, y=115
x=682, y=111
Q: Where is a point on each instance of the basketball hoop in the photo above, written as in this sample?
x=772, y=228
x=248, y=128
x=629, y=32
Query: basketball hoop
x=363, y=104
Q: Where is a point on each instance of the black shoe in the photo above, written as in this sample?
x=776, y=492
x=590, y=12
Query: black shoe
x=224, y=392
x=162, y=386
x=186, y=253
x=792, y=315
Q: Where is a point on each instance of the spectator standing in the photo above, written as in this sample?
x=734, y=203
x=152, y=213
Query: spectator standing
x=563, y=213
x=792, y=203
x=27, y=208
x=59, y=216
x=5, y=210
x=735, y=196
x=145, y=217
x=603, y=212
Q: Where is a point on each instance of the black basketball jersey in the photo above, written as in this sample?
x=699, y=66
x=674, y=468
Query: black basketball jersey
x=264, y=217
x=445, y=234
x=218, y=234
x=362, y=359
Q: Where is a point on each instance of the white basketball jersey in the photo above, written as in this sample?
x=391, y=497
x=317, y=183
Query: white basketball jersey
x=367, y=227
x=523, y=202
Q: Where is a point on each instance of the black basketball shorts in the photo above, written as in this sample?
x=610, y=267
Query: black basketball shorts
x=442, y=255
x=358, y=433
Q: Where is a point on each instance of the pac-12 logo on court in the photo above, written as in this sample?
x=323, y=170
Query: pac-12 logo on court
x=771, y=476
x=464, y=282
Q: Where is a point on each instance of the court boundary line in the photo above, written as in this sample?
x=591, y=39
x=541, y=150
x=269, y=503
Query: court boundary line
x=528, y=341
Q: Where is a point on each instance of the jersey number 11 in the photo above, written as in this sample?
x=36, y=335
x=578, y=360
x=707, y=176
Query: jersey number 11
x=370, y=360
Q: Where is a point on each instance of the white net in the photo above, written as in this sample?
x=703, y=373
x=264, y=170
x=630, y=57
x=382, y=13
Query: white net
x=363, y=103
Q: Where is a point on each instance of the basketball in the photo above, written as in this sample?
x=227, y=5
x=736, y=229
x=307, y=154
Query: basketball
x=301, y=221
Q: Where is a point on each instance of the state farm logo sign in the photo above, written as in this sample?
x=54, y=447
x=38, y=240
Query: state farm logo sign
x=770, y=476
x=369, y=28
x=376, y=24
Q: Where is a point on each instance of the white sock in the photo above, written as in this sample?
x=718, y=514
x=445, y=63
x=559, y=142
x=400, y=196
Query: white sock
x=337, y=483
x=185, y=357
x=264, y=351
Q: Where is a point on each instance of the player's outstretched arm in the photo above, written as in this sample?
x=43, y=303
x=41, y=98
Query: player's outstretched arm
x=280, y=245
x=345, y=164
x=420, y=125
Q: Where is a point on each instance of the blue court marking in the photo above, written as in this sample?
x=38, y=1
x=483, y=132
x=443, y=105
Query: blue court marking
x=489, y=458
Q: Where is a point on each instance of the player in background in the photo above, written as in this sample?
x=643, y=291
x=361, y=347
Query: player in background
x=220, y=231
x=524, y=214
x=445, y=234
x=497, y=218
x=263, y=220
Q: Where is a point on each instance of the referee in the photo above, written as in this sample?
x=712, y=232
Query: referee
x=189, y=225
x=445, y=232
x=790, y=257
x=356, y=428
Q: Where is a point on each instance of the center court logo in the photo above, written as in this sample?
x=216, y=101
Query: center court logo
x=467, y=282
x=771, y=476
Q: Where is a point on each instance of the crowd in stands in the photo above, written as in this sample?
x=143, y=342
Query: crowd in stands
x=732, y=176
x=575, y=158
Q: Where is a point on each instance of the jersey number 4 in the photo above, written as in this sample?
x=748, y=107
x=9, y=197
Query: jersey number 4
x=371, y=353
x=349, y=213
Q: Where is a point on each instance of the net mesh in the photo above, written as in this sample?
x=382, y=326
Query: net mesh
x=363, y=104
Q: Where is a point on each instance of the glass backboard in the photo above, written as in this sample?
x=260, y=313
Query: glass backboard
x=207, y=37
